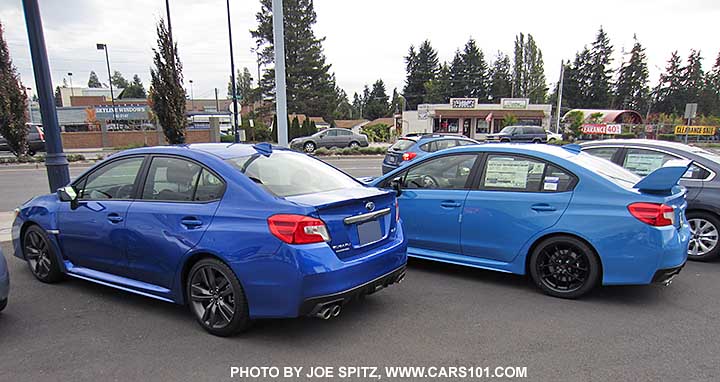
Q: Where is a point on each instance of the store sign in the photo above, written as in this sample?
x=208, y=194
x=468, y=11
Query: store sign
x=463, y=103
x=138, y=112
x=599, y=128
x=695, y=130
x=423, y=112
x=515, y=103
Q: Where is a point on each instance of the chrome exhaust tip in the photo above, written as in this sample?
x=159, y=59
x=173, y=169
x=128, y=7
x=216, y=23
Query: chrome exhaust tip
x=335, y=311
x=324, y=313
x=400, y=278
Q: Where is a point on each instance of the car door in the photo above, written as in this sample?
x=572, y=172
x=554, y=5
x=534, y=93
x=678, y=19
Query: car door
x=344, y=138
x=178, y=202
x=330, y=139
x=432, y=199
x=514, y=198
x=93, y=235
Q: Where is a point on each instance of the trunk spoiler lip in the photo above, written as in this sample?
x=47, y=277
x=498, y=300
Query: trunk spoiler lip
x=376, y=192
x=665, y=177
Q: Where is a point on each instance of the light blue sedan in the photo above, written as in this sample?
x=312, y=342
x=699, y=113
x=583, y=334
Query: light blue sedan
x=570, y=220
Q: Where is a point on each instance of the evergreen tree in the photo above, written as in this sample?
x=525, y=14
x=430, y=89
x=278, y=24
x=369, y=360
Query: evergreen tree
x=475, y=80
x=397, y=103
x=711, y=95
x=134, y=90
x=310, y=85
x=576, y=86
x=294, y=129
x=421, y=68
x=94, y=81
x=305, y=128
x=118, y=80
x=357, y=106
x=13, y=102
x=528, y=70
x=378, y=105
x=438, y=90
x=244, y=89
x=670, y=89
x=693, y=80
x=632, y=89
x=500, y=78
x=343, y=108
x=454, y=87
x=600, y=86
x=167, y=94
x=58, y=97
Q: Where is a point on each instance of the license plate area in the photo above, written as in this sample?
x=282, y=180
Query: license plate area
x=391, y=159
x=369, y=232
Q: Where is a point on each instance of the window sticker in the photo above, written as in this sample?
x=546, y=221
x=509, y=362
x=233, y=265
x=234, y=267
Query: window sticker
x=643, y=164
x=551, y=183
x=506, y=173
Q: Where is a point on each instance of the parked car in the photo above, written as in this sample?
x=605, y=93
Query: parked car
x=330, y=138
x=531, y=134
x=237, y=232
x=570, y=220
x=642, y=156
x=35, y=139
x=407, y=149
x=4, y=282
x=553, y=137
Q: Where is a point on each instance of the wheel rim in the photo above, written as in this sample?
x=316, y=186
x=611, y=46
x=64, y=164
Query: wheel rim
x=37, y=254
x=354, y=145
x=212, y=297
x=704, y=237
x=564, y=268
x=309, y=147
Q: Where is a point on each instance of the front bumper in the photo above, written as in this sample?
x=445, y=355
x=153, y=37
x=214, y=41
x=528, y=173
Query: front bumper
x=666, y=276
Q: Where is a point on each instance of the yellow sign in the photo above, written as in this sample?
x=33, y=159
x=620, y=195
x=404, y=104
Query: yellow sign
x=695, y=130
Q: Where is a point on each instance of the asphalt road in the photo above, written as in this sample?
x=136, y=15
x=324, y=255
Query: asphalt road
x=442, y=315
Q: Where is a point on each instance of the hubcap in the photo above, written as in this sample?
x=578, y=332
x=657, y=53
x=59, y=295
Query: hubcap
x=212, y=297
x=563, y=268
x=704, y=237
x=36, y=253
x=309, y=147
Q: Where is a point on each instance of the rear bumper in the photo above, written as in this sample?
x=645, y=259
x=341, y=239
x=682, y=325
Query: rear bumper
x=665, y=276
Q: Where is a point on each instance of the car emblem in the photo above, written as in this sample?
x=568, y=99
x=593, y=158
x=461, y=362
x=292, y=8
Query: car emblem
x=370, y=206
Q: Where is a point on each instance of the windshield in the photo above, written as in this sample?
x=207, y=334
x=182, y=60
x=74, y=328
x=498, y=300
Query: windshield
x=507, y=130
x=607, y=170
x=289, y=174
x=402, y=145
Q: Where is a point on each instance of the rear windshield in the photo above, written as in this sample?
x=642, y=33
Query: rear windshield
x=607, y=170
x=402, y=145
x=289, y=174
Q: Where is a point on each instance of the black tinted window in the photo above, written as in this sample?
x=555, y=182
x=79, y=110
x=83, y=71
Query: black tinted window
x=438, y=145
x=402, y=145
x=112, y=181
x=171, y=179
x=602, y=152
x=209, y=187
x=446, y=172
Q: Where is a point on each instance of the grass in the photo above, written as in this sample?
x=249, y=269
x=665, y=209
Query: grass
x=39, y=159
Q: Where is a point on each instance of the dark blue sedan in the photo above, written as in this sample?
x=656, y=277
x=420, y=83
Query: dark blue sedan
x=236, y=232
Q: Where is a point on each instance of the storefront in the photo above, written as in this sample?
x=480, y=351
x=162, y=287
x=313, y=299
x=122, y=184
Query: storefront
x=468, y=117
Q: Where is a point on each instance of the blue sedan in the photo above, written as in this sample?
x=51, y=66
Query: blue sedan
x=570, y=220
x=4, y=282
x=410, y=148
x=237, y=232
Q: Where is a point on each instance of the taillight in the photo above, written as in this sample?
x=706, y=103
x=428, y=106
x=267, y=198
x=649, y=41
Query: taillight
x=658, y=215
x=42, y=134
x=397, y=210
x=409, y=156
x=298, y=229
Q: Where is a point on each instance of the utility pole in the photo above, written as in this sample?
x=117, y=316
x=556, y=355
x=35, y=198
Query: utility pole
x=232, y=78
x=560, y=91
x=55, y=161
x=192, y=96
x=167, y=10
x=29, y=104
x=217, y=103
x=280, y=91
x=72, y=91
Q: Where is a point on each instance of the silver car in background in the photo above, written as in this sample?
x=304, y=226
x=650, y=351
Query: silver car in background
x=4, y=282
x=329, y=138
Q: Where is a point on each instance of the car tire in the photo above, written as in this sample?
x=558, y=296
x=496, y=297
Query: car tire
x=3, y=304
x=222, y=311
x=710, y=228
x=354, y=145
x=536, y=141
x=31, y=152
x=309, y=147
x=505, y=141
x=551, y=140
x=565, y=267
x=40, y=255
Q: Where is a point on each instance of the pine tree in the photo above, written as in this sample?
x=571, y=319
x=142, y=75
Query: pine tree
x=58, y=97
x=310, y=85
x=13, y=102
x=632, y=91
x=455, y=87
x=576, y=86
x=528, y=70
x=134, y=90
x=118, y=80
x=378, y=105
x=421, y=67
x=244, y=89
x=357, y=105
x=693, y=79
x=438, y=90
x=670, y=89
x=343, y=108
x=294, y=129
x=474, y=72
x=500, y=78
x=94, y=81
x=711, y=95
x=167, y=94
x=600, y=86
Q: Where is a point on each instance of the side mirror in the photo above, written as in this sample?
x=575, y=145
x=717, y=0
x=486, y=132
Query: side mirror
x=396, y=184
x=68, y=194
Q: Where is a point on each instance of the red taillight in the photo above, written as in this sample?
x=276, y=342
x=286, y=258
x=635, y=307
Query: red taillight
x=397, y=210
x=658, y=215
x=42, y=134
x=409, y=156
x=298, y=229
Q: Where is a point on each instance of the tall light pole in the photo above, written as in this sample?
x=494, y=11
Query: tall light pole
x=192, y=96
x=107, y=60
x=55, y=161
x=72, y=91
x=29, y=104
x=560, y=91
x=280, y=92
x=232, y=78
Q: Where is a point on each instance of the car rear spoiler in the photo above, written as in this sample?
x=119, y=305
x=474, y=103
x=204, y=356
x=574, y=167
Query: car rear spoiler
x=664, y=178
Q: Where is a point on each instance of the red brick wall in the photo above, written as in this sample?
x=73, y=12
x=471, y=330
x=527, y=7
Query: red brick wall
x=83, y=140
x=132, y=138
x=93, y=139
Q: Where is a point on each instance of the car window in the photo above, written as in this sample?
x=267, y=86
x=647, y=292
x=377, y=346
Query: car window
x=602, y=152
x=332, y=133
x=209, y=187
x=171, y=179
x=512, y=173
x=289, y=174
x=402, y=145
x=507, y=130
x=448, y=172
x=607, y=170
x=344, y=132
x=462, y=142
x=115, y=180
x=642, y=161
x=556, y=179
x=438, y=145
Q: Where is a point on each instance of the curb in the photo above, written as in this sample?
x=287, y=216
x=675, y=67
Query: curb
x=38, y=165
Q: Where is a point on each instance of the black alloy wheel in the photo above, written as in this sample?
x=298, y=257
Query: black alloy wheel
x=216, y=298
x=564, y=267
x=40, y=255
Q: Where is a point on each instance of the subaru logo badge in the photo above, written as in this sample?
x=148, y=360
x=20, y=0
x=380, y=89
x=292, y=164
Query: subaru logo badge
x=370, y=206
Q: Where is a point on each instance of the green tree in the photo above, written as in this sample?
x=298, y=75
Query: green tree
x=310, y=86
x=13, y=102
x=475, y=81
x=58, y=97
x=452, y=78
x=577, y=81
x=711, y=94
x=167, y=94
x=438, y=89
x=632, y=90
x=421, y=68
x=94, y=81
x=378, y=105
x=600, y=86
x=244, y=89
x=693, y=80
x=294, y=129
x=500, y=78
x=670, y=89
x=575, y=120
x=135, y=89
x=528, y=70
x=397, y=102
x=119, y=81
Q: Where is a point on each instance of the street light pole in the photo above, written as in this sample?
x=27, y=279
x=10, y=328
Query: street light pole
x=55, y=161
x=192, y=96
x=280, y=91
x=107, y=60
x=560, y=91
x=232, y=78
x=29, y=104
x=72, y=91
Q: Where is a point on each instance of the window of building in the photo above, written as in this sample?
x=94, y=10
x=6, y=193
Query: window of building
x=446, y=125
x=481, y=126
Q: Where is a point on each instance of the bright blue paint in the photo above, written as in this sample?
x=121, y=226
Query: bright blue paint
x=664, y=178
x=417, y=148
x=432, y=218
x=499, y=228
x=146, y=251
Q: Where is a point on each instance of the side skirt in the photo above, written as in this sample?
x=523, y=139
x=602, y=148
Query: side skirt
x=468, y=261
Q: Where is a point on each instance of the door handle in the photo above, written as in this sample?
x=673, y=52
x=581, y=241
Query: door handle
x=543, y=207
x=114, y=218
x=450, y=204
x=190, y=222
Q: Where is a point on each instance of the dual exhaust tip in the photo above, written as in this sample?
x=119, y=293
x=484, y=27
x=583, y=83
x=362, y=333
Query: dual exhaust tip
x=329, y=311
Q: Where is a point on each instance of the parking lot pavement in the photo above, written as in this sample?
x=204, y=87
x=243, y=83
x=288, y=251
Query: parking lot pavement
x=442, y=315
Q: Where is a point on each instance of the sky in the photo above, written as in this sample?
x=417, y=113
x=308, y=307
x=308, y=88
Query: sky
x=366, y=40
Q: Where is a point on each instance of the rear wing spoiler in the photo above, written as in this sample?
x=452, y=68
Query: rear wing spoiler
x=664, y=178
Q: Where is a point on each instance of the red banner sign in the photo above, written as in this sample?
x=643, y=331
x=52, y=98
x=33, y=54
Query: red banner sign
x=599, y=128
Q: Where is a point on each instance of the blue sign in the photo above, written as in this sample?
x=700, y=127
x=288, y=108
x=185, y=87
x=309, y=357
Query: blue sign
x=124, y=112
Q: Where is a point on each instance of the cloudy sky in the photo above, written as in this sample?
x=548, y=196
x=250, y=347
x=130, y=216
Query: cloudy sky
x=366, y=39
